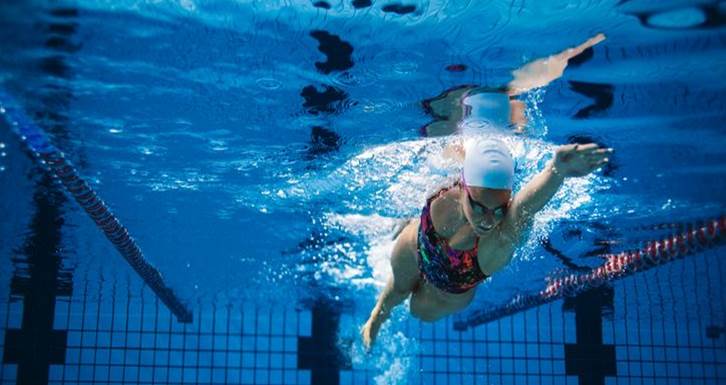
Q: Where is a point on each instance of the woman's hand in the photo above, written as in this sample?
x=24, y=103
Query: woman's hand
x=579, y=159
x=569, y=160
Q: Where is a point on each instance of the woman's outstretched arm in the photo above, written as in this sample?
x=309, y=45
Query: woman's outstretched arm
x=542, y=72
x=569, y=161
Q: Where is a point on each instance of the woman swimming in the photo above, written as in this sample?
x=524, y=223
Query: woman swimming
x=469, y=230
x=499, y=106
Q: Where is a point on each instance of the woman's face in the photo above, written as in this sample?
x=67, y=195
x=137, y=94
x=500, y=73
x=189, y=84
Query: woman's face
x=485, y=208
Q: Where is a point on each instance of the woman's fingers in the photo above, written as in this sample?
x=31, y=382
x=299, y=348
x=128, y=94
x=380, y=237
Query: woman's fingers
x=598, y=160
x=588, y=157
x=574, y=51
x=597, y=154
x=596, y=39
x=591, y=42
x=586, y=147
x=592, y=149
x=604, y=151
x=597, y=164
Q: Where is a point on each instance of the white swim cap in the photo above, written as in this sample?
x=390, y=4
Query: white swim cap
x=488, y=163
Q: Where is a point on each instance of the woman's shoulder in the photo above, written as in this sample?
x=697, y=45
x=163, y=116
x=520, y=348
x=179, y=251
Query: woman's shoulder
x=445, y=210
x=442, y=187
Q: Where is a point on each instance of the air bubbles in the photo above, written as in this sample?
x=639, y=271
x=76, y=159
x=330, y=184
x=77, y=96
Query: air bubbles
x=537, y=126
x=218, y=145
x=2, y=145
x=380, y=106
x=115, y=130
x=3, y=154
x=268, y=83
x=356, y=78
x=398, y=62
x=405, y=68
x=146, y=151
x=2, y=110
x=345, y=105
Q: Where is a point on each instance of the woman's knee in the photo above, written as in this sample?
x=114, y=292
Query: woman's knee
x=424, y=309
x=424, y=315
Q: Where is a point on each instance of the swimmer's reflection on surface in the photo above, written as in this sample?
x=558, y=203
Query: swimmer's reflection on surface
x=497, y=106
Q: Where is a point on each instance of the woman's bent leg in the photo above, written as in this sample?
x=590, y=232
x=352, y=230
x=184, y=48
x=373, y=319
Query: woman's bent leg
x=430, y=304
x=404, y=280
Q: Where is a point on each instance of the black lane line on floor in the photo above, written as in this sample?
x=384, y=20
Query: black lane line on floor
x=39, y=277
x=319, y=353
x=589, y=359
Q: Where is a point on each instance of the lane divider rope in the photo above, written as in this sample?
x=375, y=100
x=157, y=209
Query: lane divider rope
x=616, y=266
x=61, y=168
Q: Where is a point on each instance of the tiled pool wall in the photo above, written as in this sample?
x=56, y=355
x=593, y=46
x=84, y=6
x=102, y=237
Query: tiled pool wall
x=122, y=334
x=662, y=326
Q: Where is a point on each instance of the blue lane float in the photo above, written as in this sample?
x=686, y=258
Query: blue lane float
x=617, y=266
x=54, y=162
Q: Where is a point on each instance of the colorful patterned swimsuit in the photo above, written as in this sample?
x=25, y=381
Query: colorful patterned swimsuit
x=451, y=270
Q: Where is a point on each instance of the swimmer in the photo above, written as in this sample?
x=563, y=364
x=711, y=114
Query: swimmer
x=498, y=106
x=469, y=230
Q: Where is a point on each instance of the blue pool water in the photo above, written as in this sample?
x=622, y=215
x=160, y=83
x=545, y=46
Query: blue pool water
x=254, y=164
